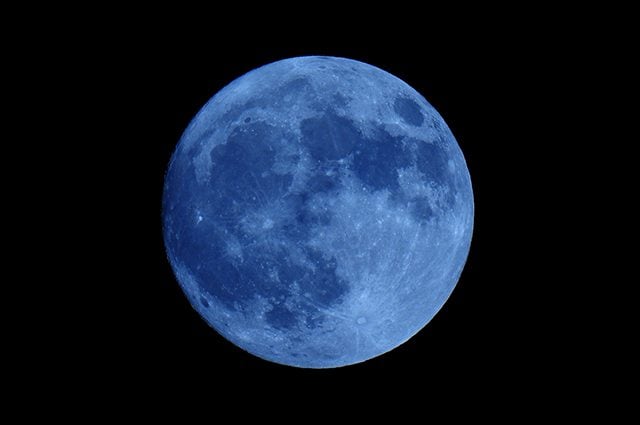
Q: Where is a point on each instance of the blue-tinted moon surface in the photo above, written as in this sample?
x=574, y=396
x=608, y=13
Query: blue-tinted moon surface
x=317, y=212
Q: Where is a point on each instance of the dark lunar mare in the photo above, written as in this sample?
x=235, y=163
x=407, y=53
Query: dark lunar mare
x=376, y=159
x=408, y=110
x=242, y=179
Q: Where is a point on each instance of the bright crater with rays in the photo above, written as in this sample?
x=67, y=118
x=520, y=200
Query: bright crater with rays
x=317, y=212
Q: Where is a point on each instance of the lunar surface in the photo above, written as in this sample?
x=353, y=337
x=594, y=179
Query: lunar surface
x=317, y=212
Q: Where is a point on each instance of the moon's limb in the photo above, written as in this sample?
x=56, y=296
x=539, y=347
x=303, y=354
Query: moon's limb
x=317, y=212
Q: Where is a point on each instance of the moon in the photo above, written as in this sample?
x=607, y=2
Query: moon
x=317, y=212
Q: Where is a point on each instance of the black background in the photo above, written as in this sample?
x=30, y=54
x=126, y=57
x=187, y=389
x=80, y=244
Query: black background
x=103, y=96
x=492, y=327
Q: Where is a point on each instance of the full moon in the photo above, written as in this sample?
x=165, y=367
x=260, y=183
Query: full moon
x=317, y=212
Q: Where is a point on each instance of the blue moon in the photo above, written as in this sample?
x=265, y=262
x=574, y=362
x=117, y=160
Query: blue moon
x=317, y=212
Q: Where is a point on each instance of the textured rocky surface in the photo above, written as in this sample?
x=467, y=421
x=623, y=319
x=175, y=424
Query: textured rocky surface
x=317, y=212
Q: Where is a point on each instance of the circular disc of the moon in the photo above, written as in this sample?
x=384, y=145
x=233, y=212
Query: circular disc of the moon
x=317, y=212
